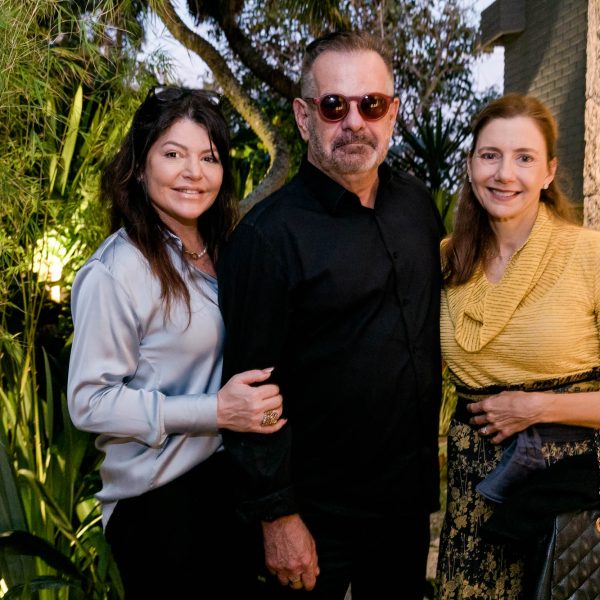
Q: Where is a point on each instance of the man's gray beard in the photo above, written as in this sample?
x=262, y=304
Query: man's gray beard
x=346, y=164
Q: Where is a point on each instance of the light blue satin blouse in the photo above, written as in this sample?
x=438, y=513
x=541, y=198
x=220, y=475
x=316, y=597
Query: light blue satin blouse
x=146, y=383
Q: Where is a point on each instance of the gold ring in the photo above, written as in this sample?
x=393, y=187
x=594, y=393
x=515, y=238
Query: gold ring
x=296, y=584
x=269, y=418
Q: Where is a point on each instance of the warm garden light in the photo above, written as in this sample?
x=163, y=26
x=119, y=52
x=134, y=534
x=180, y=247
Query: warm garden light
x=49, y=257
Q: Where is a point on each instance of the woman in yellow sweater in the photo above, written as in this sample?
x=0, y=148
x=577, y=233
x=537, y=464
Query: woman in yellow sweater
x=520, y=333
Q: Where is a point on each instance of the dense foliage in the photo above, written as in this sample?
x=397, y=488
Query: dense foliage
x=66, y=94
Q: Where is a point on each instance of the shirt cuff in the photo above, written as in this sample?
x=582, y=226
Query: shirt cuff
x=190, y=414
x=269, y=508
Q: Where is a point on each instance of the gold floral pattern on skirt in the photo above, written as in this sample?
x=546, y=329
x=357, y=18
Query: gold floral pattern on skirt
x=468, y=566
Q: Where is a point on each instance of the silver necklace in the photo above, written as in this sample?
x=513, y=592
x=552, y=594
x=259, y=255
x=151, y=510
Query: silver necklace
x=196, y=255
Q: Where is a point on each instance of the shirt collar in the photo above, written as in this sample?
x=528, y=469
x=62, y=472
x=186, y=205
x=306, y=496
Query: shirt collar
x=169, y=235
x=330, y=193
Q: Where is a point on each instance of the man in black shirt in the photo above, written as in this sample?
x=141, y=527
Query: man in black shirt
x=334, y=280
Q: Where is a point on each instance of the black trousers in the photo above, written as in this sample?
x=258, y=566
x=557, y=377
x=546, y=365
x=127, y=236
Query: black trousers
x=182, y=540
x=383, y=558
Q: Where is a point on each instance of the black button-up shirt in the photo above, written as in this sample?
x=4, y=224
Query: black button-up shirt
x=343, y=301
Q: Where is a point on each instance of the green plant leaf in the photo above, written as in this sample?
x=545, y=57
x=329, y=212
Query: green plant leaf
x=37, y=584
x=14, y=568
x=55, y=510
x=70, y=138
x=49, y=413
x=23, y=542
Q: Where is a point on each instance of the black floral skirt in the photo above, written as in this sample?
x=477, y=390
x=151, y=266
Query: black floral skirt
x=469, y=566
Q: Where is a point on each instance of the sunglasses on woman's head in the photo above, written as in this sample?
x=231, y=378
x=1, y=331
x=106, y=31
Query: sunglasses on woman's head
x=171, y=93
x=335, y=107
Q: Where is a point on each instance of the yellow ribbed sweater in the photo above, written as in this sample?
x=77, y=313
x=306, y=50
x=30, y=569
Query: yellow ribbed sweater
x=540, y=321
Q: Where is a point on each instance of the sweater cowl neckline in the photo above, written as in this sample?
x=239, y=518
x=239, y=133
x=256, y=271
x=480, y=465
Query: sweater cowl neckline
x=480, y=310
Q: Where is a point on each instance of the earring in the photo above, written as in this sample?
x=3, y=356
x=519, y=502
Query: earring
x=546, y=186
x=469, y=179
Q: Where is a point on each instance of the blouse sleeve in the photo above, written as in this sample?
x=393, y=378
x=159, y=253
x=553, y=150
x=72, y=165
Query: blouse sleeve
x=104, y=360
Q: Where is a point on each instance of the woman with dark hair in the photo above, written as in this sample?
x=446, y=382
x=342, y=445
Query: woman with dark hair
x=520, y=334
x=147, y=351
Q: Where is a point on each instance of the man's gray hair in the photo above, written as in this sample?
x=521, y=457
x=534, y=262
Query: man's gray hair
x=342, y=41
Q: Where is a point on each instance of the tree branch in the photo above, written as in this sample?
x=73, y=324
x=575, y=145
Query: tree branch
x=252, y=59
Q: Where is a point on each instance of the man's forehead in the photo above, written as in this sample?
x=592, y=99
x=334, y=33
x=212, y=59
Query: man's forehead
x=335, y=55
x=332, y=66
